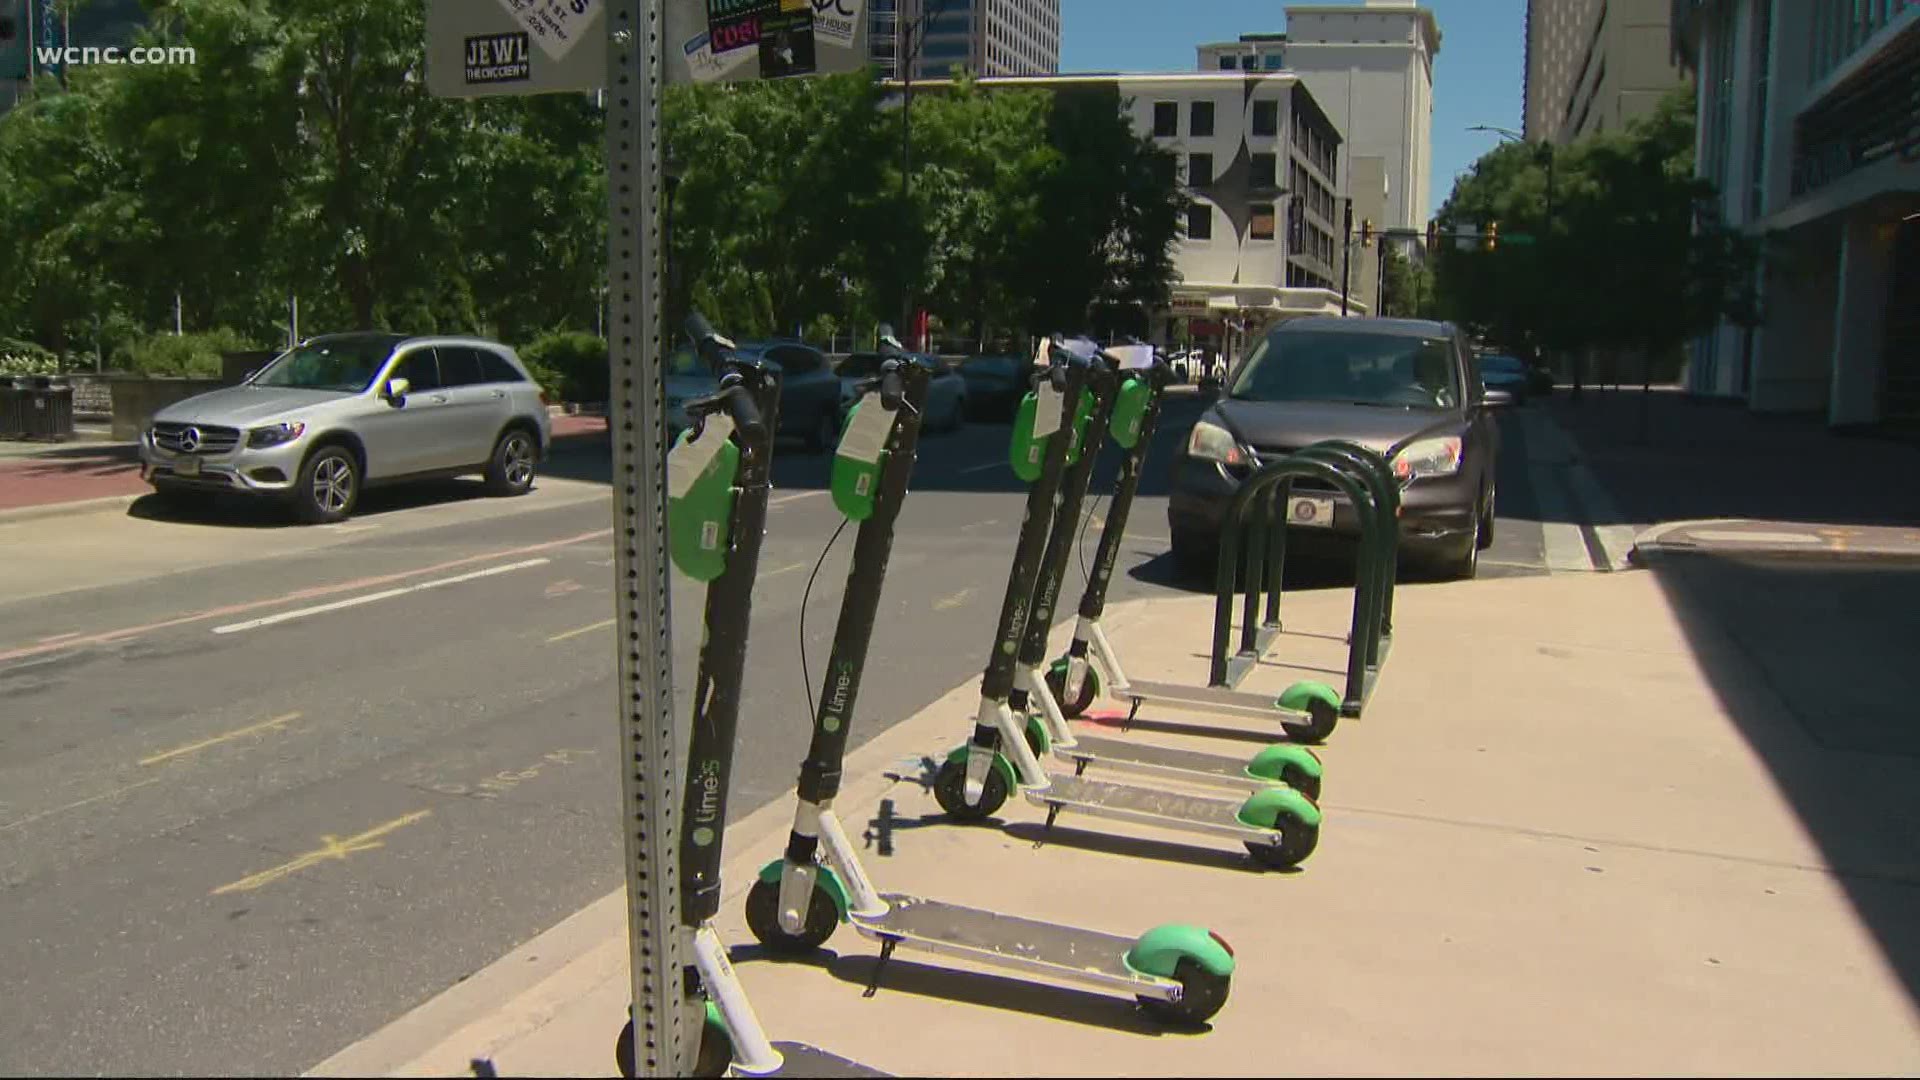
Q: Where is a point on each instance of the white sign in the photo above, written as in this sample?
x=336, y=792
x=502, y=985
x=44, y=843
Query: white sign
x=704, y=65
x=556, y=25
x=1132, y=357
x=838, y=22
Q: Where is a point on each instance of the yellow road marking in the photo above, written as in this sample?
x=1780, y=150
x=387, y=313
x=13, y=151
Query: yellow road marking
x=264, y=725
x=334, y=848
x=76, y=805
x=601, y=625
x=948, y=603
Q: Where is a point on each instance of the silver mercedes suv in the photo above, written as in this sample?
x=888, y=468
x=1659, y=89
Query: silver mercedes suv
x=342, y=412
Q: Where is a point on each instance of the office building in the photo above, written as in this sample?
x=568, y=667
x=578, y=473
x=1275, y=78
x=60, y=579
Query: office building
x=1370, y=67
x=1260, y=161
x=1595, y=65
x=986, y=37
x=1807, y=127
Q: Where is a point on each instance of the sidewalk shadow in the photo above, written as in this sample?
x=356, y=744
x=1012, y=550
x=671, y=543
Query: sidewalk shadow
x=1136, y=847
x=1814, y=663
x=1119, y=723
x=1045, y=1000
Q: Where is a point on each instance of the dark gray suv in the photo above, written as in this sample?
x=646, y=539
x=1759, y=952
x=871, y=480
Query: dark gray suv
x=1373, y=381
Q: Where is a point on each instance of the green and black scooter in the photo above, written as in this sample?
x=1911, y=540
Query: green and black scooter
x=1277, y=824
x=1070, y=685
x=1179, y=974
x=718, y=476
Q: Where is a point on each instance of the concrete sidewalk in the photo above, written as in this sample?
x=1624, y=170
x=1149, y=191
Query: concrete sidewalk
x=1557, y=844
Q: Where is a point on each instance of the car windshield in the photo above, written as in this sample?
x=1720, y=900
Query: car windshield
x=1350, y=367
x=686, y=363
x=860, y=366
x=1503, y=365
x=991, y=365
x=345, y=366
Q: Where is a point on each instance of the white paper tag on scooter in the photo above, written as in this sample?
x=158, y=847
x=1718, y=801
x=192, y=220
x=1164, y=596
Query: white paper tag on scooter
x=688, y=462
x=1040, y=354
x=1132, y=357
x=1046, y=414
x=866, y=436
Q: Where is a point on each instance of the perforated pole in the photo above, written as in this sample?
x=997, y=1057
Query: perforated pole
x=666, y=1028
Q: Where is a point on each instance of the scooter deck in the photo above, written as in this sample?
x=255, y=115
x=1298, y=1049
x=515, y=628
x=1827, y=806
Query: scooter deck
x=803, y=1060
x=991, y=937
x=1213, y=699
x=1198, y=766
x=1150, y=806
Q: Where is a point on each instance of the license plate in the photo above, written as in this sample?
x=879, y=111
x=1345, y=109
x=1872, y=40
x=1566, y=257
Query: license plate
x=1311, y=512
x=186, y=466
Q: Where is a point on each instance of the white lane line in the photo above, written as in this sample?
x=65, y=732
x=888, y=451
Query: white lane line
x=1566, y=548
x=77, y=804
x=796, y=497
x=981, y=468
x=356, y=601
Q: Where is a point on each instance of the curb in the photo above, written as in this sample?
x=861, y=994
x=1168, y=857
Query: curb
x=71, y=507
x=1651, y=546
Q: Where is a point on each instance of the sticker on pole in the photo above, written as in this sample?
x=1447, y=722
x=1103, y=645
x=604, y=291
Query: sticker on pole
x=1046, y=416
x=867, y=432
x=556, y=25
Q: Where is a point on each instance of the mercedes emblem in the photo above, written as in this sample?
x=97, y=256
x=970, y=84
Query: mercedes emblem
x=190, y=440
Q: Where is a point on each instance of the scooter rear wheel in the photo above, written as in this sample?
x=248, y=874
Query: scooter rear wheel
x=1323, y=717
x=763, y=918
x=1202, y=995
x=950, y=791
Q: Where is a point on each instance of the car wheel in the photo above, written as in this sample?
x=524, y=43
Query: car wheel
x=1463, y=563
x=510, y=470
x=1487, y=515
x=329, y=486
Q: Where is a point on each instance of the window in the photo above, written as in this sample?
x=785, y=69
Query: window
x=497, y=368
x=1263, y=171
x=347, y=366
x=1166, y=119
x=1199, y=221
x=1166, y=168
x=1271, y=61
x=1200, y=124
x=1414, y=373
x=1229, y=63
x=1266, y=118
x=1199, y=169
x=1262, y=227
x=420, y=371
x=460, y=366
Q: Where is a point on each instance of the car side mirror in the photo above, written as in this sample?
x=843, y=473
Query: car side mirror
x=396, y=390
x=1496, y=399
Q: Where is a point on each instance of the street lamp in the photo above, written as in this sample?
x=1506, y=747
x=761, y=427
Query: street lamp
x=1546, y=152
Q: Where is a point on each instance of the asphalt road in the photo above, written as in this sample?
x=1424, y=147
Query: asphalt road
x=256, y=807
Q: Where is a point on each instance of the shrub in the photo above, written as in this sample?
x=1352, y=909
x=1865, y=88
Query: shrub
x=576, y=361
x=195, y=355
x=25, y=358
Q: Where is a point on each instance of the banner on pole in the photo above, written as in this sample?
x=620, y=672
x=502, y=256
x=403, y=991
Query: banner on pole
x=489, y=48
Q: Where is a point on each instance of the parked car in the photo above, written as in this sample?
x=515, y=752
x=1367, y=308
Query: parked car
x=340, y=413
x=996, y=383
x=1516, y=376
x=809, y=390
x=1372, y=381
x=946, y=390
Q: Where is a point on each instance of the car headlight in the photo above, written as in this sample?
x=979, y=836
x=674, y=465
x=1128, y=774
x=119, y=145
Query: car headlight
x=275, y=434
x=1428, y=457
x=1211, y=442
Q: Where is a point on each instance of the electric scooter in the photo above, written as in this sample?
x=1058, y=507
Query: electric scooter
x=1069, y=687
x=1178, y=973
x=1278, y=825
x=718, y=476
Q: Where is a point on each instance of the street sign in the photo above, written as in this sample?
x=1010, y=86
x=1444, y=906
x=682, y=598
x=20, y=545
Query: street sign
x=493, y=48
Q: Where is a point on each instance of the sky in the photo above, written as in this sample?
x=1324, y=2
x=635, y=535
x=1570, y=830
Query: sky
x=1477, y=77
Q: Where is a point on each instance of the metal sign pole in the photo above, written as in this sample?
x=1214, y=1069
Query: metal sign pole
x=665, y=1013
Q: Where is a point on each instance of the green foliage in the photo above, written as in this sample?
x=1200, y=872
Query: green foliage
x=570, y=367
x=196, y=355
x=1629, y=258
x=25, y=358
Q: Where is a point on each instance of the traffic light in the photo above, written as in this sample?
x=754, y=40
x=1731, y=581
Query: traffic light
x=1366, y=232
x=1493, y=235
x=1433, y=235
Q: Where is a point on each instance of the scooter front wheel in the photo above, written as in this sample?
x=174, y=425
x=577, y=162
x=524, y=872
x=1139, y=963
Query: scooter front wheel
x=1202, y=994
x=716, y=1049
x=1323, y=716
x=950, y=791
x=1089, y=688
x=763, y=918
x=1297, y=841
